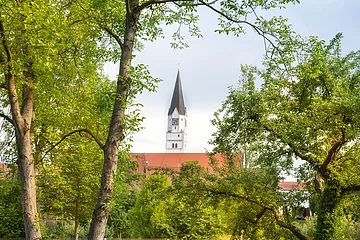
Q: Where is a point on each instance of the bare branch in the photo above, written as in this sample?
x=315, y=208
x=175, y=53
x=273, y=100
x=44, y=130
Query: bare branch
x=253, y=26
x=194, y=4
x=7, y=118
x=152, y=2
x=68, y=135
x=115, y=36
x=288, y=226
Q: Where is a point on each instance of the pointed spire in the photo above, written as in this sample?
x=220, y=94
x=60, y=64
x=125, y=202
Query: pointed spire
x=177, y=98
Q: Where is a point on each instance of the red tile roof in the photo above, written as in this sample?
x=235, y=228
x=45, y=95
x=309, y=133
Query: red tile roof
x=149, y=161
x=170, y=160
x=291, y=185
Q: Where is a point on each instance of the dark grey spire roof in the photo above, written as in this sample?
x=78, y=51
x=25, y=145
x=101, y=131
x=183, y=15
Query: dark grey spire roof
x=177, y=98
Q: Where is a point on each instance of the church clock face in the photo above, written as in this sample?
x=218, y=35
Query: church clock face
x=175, y=121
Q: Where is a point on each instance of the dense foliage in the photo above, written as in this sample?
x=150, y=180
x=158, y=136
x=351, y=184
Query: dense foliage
x=306, y=109
x=161, y=212
x=11, y=219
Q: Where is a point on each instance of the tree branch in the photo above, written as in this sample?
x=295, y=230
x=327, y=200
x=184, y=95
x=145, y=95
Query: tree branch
x=7, y=118
x=68, y=135
x=332, y=153
x=115, y=36
x=294, y=149
x=2, y=58
x=253, y=26
x=194, y=4
x=288, y=226
x=271, y=208
x=258, y=216
x=9, y=79
x=4, y=43
x=151, y=2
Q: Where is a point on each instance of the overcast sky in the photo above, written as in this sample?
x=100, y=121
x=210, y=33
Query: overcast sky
x=212, y=64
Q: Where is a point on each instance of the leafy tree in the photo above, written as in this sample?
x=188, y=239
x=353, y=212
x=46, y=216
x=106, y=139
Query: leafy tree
x=45, y=45
x=250, y=199
x=162, y=210
x=130, y=22
x=25, y=35
x=195, y=215
x=70, y=167
x=306, y=109
x=148, y=217
x=69, y=185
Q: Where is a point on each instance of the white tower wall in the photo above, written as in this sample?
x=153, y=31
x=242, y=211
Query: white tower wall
x=176, y=137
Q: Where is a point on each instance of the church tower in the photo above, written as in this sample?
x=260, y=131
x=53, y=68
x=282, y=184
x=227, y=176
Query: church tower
x=176, y=139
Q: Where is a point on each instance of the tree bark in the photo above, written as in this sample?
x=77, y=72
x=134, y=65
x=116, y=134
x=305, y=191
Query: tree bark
x=28, y=186
x=76, y=228
x=116, y=130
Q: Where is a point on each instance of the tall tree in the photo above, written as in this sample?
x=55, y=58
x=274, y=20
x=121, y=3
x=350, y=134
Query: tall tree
x=70, y=168
x=38, y=40
x=140, y=20
x=19, y=22
x=306, y=109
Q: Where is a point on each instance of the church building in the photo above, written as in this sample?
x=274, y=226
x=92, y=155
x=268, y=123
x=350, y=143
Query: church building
x=176, y=143
x=176, y=139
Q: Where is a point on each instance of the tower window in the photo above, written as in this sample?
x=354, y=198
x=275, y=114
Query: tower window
x=175, y=145
x=178, y=135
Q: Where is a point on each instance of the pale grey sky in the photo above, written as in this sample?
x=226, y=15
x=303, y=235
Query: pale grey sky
x=212, y=64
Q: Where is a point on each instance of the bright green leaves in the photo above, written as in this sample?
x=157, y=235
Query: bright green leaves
x=147, y=216
x=306, y=110
x=168, y=211
x=11, y=219
x=303, y=112
x=140, y=81
x=241, y=199
x=69, y=185
x=237, y=15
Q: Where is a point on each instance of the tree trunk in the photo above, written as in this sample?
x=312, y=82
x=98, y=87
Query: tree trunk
x=22, y=121
x=329, y=214
x=28, y=186
x=76, y=228
x=116, y=130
